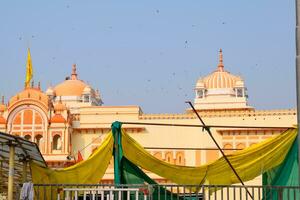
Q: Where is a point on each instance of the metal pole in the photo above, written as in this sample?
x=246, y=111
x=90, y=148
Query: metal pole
x=297, y=32
x=216, y=143
x=10, y=190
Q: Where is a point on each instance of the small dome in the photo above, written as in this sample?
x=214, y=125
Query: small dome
x=59, y=107
x=57, y=118
x=219, y=78
x=200, y=83
x=87, y=90
x=71, y=86
x=50, y=91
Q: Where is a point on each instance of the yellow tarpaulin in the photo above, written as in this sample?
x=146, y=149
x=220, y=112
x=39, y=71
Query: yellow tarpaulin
x=89, y=171
x=249, y=163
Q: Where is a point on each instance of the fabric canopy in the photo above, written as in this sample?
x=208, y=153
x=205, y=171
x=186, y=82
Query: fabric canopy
x=249, y=163
x=89, y=171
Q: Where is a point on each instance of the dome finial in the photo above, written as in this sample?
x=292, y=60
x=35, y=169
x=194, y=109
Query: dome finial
x=74, y=73
x=220, y=65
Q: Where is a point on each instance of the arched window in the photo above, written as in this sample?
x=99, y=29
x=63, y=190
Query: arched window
x=56, y=142
x=239, y=92
x=241, y=146
x=38, y=140
x=200, y=93
x=28, y=121
x=180, y=158
x=169, y=157
x=27, y=137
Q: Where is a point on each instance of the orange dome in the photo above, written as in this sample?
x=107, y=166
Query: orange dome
x=71, y=87
x=58, y=118
x=59, y=107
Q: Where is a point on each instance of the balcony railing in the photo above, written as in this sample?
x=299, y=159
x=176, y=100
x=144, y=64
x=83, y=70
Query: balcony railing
x=163, y=192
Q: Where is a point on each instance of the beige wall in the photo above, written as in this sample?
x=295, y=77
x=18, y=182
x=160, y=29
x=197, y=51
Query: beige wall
x=95, y=122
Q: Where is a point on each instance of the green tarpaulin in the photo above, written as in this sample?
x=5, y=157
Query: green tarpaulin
x=285, y=174
x=128, y=173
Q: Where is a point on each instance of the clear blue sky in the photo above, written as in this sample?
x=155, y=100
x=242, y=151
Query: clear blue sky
x=151, y=53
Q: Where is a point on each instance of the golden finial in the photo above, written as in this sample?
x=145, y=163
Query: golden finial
x=220, y=65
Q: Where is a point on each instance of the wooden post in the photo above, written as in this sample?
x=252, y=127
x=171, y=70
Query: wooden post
x=10, y=190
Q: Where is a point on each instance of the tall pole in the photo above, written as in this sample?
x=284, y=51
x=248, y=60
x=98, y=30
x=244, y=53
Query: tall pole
x=220, y=149
x=297, y=32
x=10, y=192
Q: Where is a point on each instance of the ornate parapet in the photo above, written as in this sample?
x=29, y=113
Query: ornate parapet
x=221, y=113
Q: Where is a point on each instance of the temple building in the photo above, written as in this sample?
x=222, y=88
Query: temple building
x=70, y=118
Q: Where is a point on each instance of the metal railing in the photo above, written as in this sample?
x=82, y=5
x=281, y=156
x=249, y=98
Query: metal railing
x=163, y=192
x=102, y=193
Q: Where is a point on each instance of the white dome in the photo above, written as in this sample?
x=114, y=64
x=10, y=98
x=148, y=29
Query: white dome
x=50, y=91
x=219, y=79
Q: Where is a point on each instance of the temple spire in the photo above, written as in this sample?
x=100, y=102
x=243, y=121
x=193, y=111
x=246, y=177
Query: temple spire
x=74, y=73
x=220, y=65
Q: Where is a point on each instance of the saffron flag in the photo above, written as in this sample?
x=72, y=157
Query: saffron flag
x=29, y=71
x=79, y=157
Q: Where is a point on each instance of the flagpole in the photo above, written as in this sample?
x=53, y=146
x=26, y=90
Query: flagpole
x=297, y=32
